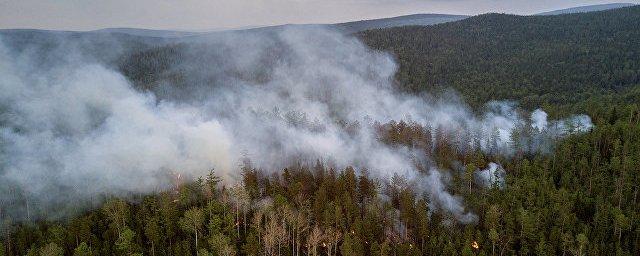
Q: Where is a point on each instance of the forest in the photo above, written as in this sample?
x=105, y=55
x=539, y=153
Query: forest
x=550, y=61
x=579, y=199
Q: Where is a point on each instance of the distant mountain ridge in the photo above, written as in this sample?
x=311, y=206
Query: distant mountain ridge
x=534, y=60
x=406, y=20
x=588, y=8
x=148, y=32
x=347, y=27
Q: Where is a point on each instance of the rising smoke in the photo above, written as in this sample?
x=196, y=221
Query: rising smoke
x=492, y=176
x=77, y=130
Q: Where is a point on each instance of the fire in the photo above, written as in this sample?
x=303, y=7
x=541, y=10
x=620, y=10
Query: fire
x=475, y=245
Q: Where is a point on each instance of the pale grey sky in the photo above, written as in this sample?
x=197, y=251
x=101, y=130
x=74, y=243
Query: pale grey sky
x=218, y=14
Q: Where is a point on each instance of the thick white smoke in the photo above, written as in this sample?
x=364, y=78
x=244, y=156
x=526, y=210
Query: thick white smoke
x=435, y=185
x=493, y=175
x=539, y=120
x=80, y=130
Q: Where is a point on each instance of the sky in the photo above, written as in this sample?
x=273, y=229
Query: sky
x=224, y=14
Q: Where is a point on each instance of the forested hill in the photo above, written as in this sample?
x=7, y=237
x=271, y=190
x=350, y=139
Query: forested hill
x=587, y=8
x=534, y=59
x=581, y=198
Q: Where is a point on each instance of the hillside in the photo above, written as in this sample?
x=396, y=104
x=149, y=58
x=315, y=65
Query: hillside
x=101, y=46
x=147, y=32
x=168, y=35
x=96, y=167
x=534, y=59
x=407, y=20
x=588, y=8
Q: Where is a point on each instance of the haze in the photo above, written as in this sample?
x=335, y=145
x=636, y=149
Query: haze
x=225, y=14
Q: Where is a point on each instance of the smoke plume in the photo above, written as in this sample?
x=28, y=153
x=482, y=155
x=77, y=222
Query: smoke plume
x=76, y=130
x=493, y=175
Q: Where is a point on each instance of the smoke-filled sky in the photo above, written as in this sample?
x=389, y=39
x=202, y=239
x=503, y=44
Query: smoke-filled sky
x=72, y=129
x=220, y=14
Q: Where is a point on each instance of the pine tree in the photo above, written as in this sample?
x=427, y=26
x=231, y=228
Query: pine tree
x=192, y=222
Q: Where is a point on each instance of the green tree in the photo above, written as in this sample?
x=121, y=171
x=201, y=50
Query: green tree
x=51, y=249
x=493, y=236
x=192, y=222
x=82, y=250
x=470, y=169
x=117, y=210
x=212, y=182
x=351, y=245
x=153, y=232
x=222, y=245
x=125, y=242
x=582, y=243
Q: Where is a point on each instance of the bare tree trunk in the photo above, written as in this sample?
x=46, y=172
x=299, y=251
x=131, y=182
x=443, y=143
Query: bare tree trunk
x=298, y=244
x=196, y=242
x=493, y=248
x=619, y=235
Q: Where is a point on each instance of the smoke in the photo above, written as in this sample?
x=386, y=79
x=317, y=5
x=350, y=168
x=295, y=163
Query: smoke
x=539, y=120
x=78, y=130
x=81, y=132
x=492, y=176
x=435, y=184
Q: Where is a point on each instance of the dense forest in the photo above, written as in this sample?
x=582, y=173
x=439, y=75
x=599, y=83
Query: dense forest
x=580, y=199
x=537, y=60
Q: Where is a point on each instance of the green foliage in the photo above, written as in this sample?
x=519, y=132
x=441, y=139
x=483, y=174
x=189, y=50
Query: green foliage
x=51, y=249
x=192, y=220
x=82, y=250
x=117, y=211
x=537, y=60
x=221, y=245
x=125, y=241
x=580, y=199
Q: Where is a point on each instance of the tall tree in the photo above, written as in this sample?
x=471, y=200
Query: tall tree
x=192, y=222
